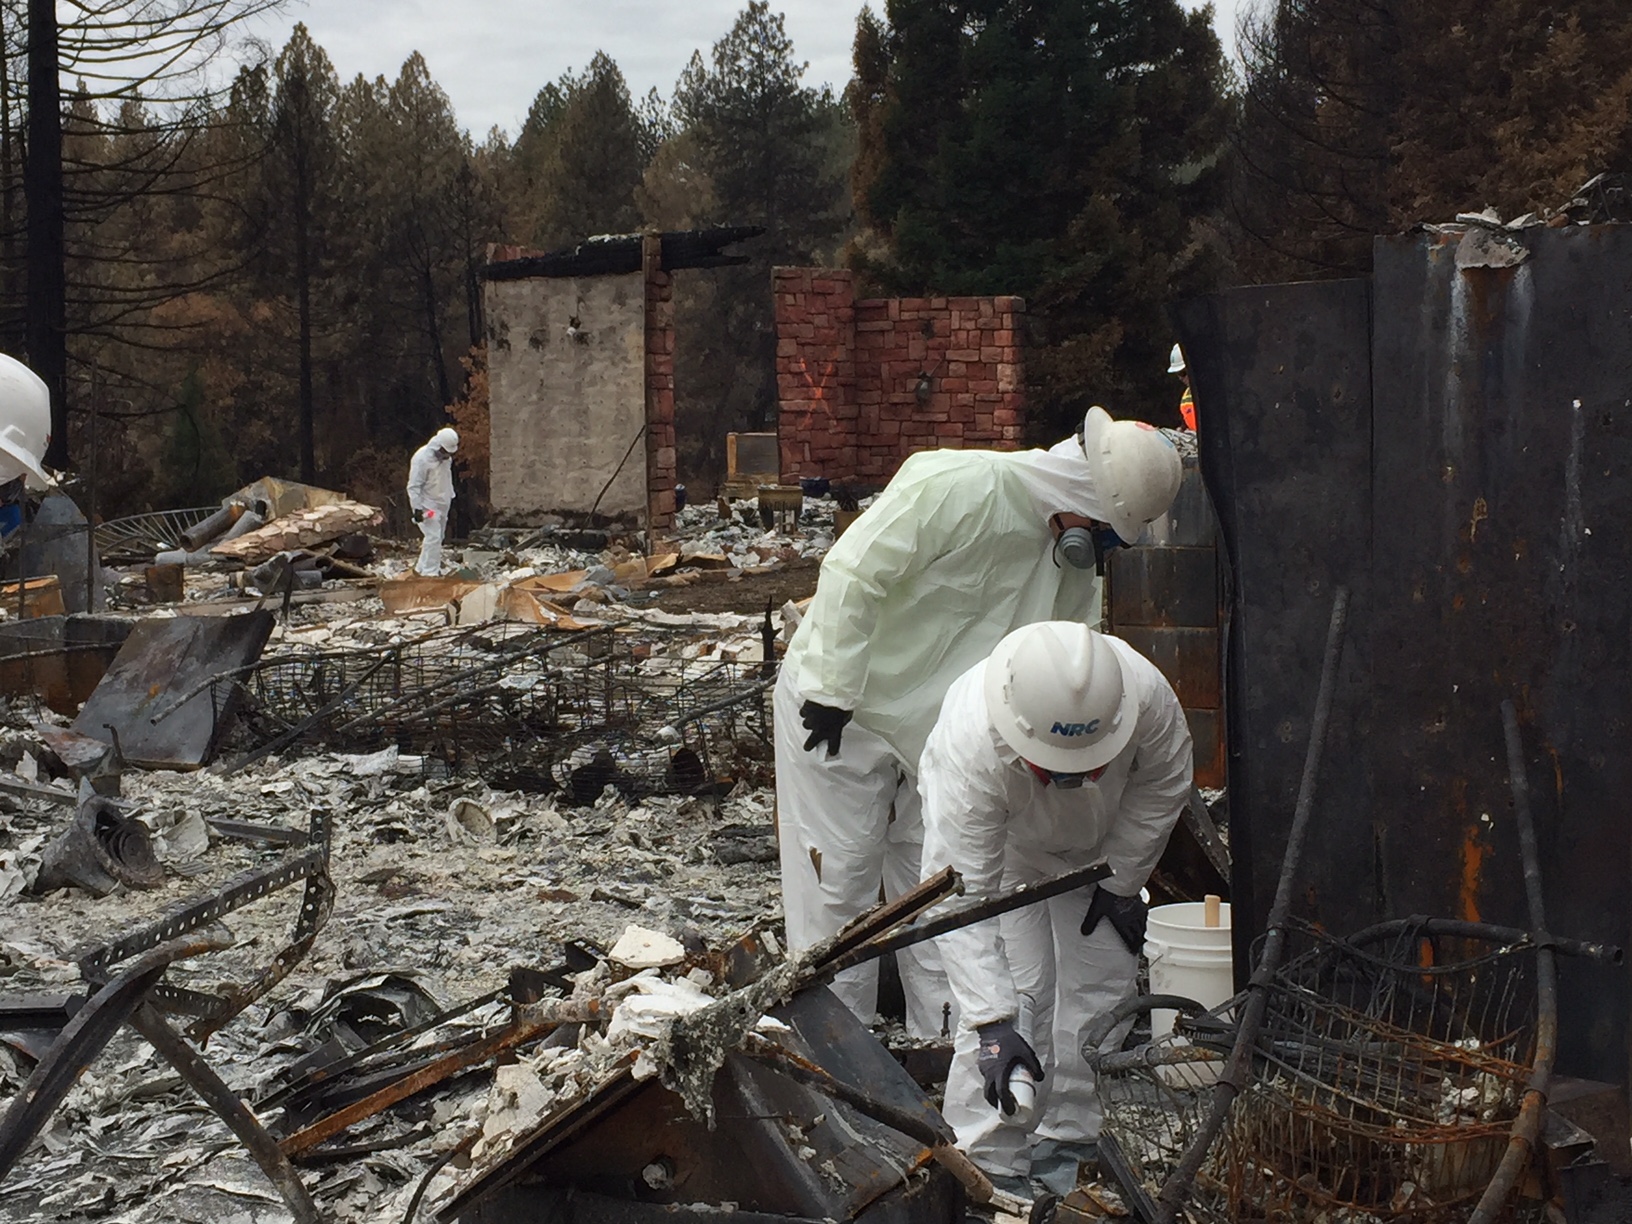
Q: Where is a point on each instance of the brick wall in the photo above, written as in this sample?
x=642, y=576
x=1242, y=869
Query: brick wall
x=848, y=374
x=660, y=452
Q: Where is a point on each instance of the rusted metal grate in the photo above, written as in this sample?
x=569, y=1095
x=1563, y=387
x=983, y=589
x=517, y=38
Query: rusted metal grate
x=1386, y=1082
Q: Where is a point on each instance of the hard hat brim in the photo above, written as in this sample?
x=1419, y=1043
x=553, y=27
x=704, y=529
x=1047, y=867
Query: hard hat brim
x=1048, y=756
x=26, y=465
x=1094, y=430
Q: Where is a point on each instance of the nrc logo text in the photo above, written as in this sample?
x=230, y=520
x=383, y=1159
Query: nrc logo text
x=1068, y=729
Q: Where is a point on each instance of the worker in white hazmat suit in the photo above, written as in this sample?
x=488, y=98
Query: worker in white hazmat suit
x=430, y=495
x=960, y=549
x=1065, y=747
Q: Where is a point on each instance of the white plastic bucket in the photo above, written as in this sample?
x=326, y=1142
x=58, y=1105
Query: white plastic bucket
x=1189, y=958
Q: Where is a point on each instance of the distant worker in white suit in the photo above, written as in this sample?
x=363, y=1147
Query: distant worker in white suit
x=960, y=549
x=1066, y=746
x=430, y=495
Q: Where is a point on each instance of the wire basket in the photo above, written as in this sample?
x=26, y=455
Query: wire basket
x=1386, y=1081
x=525, y=708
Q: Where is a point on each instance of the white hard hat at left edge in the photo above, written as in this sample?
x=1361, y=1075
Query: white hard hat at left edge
x=25, y=423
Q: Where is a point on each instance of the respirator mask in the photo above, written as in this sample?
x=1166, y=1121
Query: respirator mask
x=1084, y=543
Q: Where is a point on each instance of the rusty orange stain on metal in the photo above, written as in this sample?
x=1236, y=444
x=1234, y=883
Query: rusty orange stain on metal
x=1473, y=861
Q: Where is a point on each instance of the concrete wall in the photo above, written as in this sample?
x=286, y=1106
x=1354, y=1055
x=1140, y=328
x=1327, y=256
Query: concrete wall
x=565, y=410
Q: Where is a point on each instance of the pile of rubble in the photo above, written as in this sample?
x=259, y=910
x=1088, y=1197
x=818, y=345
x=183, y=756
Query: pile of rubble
x=439, y=891
x=521, y=781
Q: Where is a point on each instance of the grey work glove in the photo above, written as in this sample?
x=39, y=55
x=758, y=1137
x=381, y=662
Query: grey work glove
x=1001, y=1050
x=825, y=725
x=1126, y=914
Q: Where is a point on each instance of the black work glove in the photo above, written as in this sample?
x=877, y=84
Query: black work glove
x=825, y=724
x=1126, y=914
x=1001, y=1050
x=419, y=516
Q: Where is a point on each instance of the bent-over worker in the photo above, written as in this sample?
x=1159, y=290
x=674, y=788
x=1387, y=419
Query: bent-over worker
x=960, y=549
x=430, y=495
x=1065, y=747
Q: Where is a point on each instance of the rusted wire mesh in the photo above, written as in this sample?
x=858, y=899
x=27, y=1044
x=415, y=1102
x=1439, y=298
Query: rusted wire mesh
x=525, y=708
x=1386, y=1081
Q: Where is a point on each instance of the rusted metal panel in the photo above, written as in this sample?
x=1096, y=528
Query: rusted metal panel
x=1210, y=746
x=1500, y=571
x=1165, y=587
x=1187, y=657
x=1283, y=375
x=1163, y=599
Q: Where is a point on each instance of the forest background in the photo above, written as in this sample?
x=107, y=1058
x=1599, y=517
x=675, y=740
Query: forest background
x=278, y=271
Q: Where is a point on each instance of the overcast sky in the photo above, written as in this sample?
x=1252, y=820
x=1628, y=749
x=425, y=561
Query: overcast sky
x=492, y=56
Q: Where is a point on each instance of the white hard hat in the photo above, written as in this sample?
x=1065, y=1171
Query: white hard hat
x=447, y=439
x=1061, y=696
x=1175, y=361
x=1135, y=468
x=25, y=422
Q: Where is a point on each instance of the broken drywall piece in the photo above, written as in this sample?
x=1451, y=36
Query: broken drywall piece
x=640, y=948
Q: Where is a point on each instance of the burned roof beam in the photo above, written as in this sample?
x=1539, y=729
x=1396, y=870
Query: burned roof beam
x=620, y=255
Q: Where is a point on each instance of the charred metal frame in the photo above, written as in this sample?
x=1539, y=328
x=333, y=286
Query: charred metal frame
x=525, y=707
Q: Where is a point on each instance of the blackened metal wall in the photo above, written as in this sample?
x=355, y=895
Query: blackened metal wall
x=1455, y=444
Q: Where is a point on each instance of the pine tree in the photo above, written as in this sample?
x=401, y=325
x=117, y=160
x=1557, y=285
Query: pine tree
x=301, y=162
x=762, y=149
x=1064, y=151
x=1366, y=119
x=580, y=156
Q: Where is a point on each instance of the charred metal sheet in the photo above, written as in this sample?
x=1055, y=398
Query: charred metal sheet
x=779, y=1147
x=1453, y=443
x=55, y=542
x=1504, y=395
x=1283, y=374
x=161, y=659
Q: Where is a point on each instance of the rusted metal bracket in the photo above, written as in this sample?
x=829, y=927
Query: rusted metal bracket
x=214, y=1009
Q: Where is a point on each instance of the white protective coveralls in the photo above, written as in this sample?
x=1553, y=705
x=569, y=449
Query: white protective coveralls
x=955, y=554
x=430, y=488
x=989, y=815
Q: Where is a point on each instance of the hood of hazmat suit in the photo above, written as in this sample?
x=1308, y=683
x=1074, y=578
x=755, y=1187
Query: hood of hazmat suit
x=988, y=814
x=950, y=558
x=430, y=479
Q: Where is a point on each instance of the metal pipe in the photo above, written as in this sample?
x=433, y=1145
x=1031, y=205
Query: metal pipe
x=1237, y=1074
x=1455, y=928
x=965, y=915
x=201, y=1077
x=1527, y=1126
